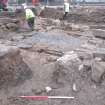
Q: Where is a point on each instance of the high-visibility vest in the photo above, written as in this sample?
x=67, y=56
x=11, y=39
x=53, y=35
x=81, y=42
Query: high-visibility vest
x=66, y=7
x=29, y=14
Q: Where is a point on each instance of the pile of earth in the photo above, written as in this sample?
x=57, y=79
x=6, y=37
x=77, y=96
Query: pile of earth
x=81, y=74
x=13, y=70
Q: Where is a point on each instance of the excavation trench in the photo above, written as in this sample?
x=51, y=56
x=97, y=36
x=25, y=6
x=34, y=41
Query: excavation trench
x=66, y=57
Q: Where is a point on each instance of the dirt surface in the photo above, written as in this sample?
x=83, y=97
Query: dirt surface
x=64, y=55
x=79, y=15
x=13, y=69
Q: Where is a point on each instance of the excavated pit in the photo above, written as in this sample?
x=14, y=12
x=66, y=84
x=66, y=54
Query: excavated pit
x=67, y=57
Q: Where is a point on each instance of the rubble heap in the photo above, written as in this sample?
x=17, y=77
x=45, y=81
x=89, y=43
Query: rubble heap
x=88, y=65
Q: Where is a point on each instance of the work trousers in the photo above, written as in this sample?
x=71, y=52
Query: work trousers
x=65, y=15
x=31, y=23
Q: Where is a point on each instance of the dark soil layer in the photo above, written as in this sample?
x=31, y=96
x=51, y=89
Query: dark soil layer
x=13, y=70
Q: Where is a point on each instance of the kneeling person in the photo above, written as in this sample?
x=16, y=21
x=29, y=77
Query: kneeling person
x=30, y=16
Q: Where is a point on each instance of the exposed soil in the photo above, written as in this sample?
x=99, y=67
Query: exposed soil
x=80, y=15
x=65, y=55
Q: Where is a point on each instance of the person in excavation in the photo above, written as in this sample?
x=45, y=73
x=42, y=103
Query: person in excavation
x=66, y=8
x=30, y=16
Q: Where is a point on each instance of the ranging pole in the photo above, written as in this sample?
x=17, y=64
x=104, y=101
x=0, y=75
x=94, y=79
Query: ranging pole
x=45, y=97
